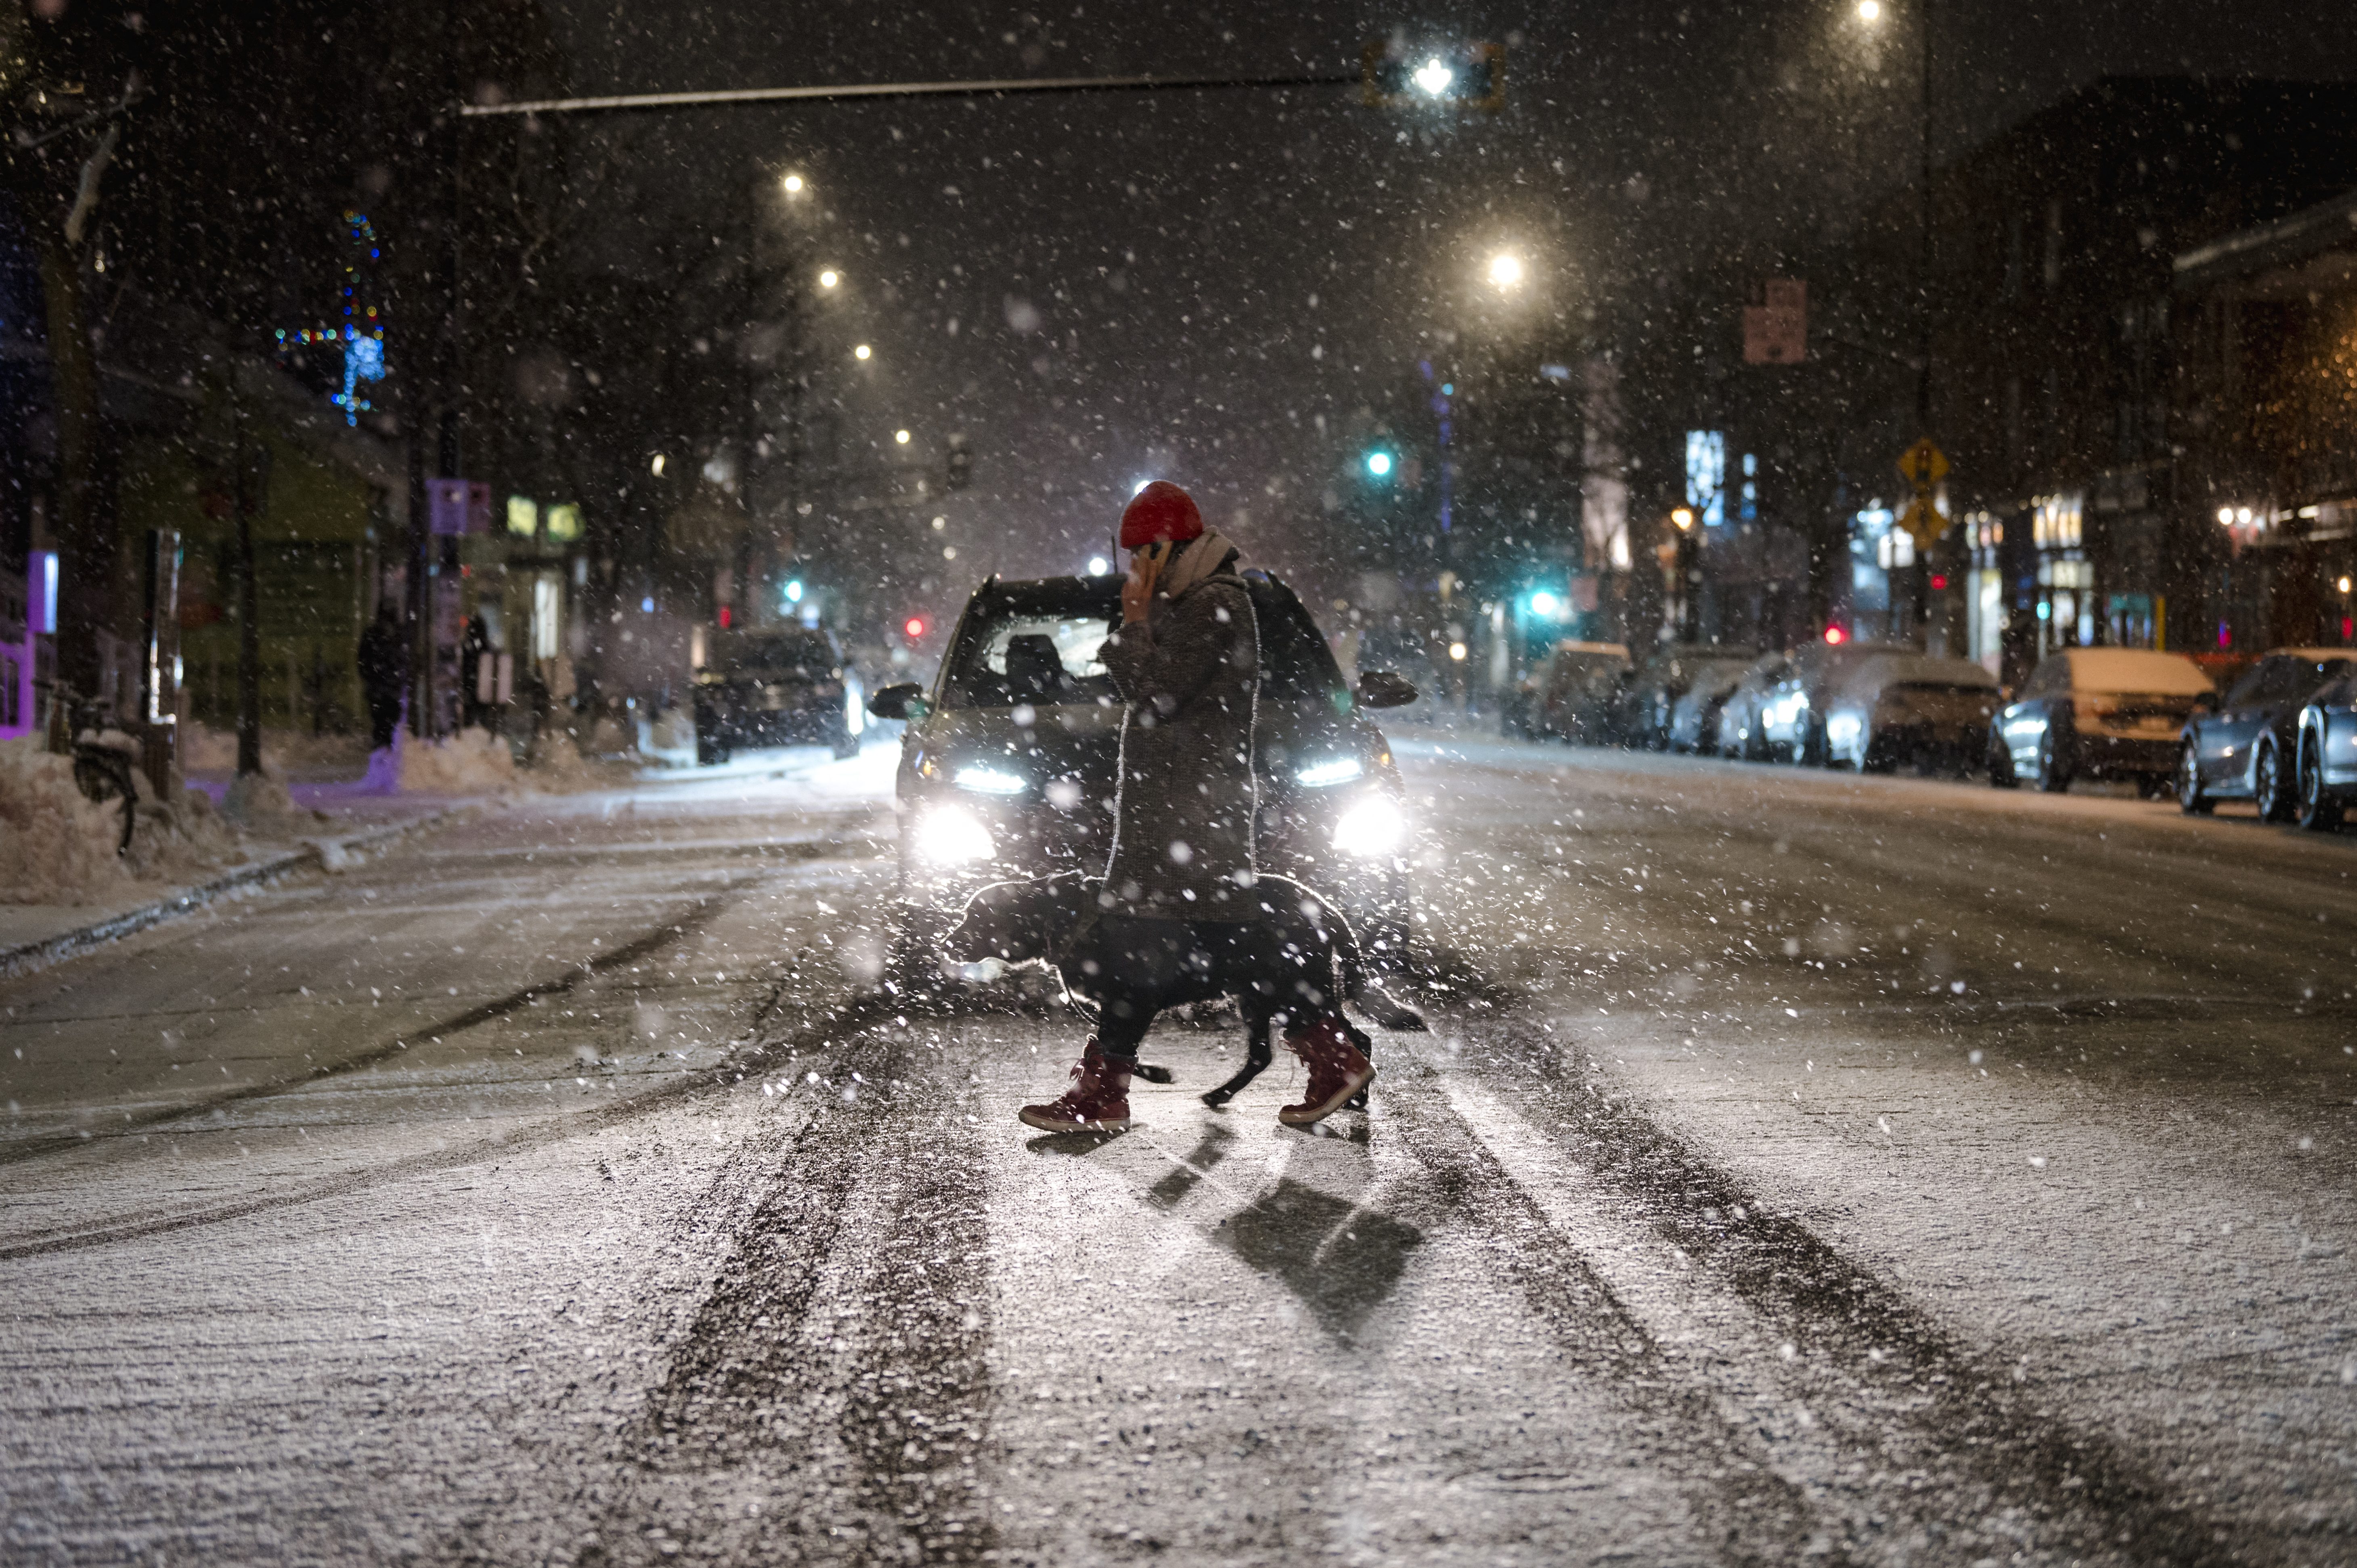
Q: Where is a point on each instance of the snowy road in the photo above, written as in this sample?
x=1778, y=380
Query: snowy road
x=1799, y=1167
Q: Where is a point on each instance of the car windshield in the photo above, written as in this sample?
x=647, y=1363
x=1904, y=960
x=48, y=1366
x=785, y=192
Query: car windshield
x=1042, y=644
x=796, y=653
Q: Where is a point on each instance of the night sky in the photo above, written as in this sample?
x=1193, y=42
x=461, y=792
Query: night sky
x=1181, y=285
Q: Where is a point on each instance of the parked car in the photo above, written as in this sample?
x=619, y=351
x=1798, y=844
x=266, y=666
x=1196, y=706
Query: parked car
x=1742, y=728
x=2246, y=747
x=775, y=688
x=2097, y=712
x=1792, y=722
x=1577, y=693
x=1889, y=710
x=1665, y=676
x=2326, y=749
x=1008, y=765
x=1694, y=717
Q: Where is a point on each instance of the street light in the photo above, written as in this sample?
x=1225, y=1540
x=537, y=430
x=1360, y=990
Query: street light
x=829, y=278
x=1869, y=11
x=1506, y=269
x=1684, y=518
x=901, y=437
x=794, y=184
x=862, y=352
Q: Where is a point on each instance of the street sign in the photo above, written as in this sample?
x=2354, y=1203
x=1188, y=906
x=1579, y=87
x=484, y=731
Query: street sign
x=460, y=506
x=1924, y=464
x=1777, y=333
x=1924, y=521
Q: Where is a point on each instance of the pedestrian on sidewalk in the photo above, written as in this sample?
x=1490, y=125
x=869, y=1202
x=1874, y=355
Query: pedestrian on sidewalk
x=1180, y=888
x=385, y=673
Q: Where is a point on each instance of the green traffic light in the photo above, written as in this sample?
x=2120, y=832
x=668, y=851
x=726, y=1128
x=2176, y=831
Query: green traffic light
x=1379, y=464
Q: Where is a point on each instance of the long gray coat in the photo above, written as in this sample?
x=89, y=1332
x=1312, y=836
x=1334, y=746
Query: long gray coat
x=1184, y=825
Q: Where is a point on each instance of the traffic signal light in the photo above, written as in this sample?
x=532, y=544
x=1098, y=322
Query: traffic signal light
x=961, y=462
x=1379, y=463
x=1835, y=636
x=1397, y=74
x=914, y=627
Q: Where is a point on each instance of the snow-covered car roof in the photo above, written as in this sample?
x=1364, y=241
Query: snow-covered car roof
x=2136, y=669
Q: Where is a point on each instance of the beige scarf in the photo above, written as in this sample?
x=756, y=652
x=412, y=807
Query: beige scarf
x=1202, y=558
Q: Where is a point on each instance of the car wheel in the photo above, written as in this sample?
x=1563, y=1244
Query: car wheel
x=2270, y=790
x=2320, y=811
x=2000, y=763
x=2192, y=798
x=2054, y=774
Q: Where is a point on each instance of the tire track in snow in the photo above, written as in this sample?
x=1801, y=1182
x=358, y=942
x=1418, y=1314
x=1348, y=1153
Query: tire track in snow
x=673, y=929
x=829, y=1402
x=1744, y=1506
x=1937, y=1397
x=858, y=1012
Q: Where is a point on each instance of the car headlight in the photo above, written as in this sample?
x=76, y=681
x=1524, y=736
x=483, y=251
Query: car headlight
x=1372, y=828
x=1332, y=771
x=949, y=835
x=1842, y=729
x=989, y=781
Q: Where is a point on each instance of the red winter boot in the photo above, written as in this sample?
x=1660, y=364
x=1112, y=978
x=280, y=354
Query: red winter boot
x=1337, y=1070
x=1098, y=1100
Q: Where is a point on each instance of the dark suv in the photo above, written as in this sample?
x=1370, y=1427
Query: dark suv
x=1009, y=763
x=775, y=688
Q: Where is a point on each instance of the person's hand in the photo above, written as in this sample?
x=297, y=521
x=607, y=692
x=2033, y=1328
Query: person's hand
x=1137, y=588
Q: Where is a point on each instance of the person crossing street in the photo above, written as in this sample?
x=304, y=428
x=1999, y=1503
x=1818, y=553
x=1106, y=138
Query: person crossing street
x=1180, y=882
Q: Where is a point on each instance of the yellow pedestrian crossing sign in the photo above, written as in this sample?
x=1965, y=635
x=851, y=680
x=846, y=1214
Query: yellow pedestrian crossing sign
x=1924, y=521
x=1923, y=464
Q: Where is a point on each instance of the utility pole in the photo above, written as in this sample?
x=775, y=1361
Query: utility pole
x=1921, y=581
x=249, y=596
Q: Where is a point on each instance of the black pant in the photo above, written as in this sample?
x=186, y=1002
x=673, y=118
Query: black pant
x=1143, y=965
x=384, y=717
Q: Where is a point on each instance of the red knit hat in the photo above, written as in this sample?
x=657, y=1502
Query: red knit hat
x=1159, y=512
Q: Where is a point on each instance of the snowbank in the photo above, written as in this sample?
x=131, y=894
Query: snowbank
x=472, y=762
x=58, y=847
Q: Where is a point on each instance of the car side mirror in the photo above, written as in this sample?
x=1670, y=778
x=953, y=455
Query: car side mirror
x=1381, y=689
x=905, y=701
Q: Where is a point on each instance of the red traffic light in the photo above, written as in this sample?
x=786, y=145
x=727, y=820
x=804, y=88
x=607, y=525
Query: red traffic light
x=1939, y=582
x=914, y=628
x=726, y=616
x=1835, y=636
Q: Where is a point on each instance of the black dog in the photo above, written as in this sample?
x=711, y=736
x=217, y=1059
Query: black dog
x=1300, y=962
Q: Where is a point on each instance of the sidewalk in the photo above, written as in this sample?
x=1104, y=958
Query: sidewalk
x=34, y=936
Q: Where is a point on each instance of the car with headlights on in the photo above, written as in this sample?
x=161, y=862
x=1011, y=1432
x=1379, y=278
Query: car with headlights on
x=2245, y=747
x=1787, y=718
x=775, y=688
x=1009, y=763
x=2097, y=712
x=1892, y=710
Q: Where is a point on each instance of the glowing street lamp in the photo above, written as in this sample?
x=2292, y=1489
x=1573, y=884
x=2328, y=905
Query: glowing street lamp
x=829, y=278
x=1684, y=518
x=1869, y=11
x=794, y=184
x=862, y=352
x=901, y=437
x=1506, y=269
